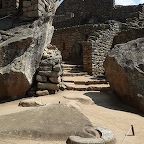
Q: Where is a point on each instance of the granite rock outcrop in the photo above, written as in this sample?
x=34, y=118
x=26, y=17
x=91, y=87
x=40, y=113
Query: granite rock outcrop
x=21, y=49
x=124, y=69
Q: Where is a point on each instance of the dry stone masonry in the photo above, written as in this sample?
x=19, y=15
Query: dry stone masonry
x=49, y=75
x=30, y=9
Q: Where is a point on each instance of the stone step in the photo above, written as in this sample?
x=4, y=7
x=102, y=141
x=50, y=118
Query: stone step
x=88, y=82
x=74, y=74
x=83, y=80
x=77, y=87
x=74, y=71
x=72, y=66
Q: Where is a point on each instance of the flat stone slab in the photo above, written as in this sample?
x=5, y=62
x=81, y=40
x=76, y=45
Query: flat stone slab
x=52, y=122
x=80, y=87
x=87, y=80
x=81, y=99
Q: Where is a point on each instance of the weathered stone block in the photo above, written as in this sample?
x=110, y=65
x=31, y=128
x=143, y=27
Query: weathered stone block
x=40, y=78
x=48, y=86
x=56, y=80
x=42, y=93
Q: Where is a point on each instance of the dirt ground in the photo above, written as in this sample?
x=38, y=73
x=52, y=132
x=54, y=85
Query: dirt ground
x=107, y=111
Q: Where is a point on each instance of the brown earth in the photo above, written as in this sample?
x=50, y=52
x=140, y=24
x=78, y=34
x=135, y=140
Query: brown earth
x=107, y=111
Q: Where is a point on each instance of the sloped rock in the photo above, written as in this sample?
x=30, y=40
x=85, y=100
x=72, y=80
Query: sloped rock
x=124, y=69
x=52, y=122
x=20, y=55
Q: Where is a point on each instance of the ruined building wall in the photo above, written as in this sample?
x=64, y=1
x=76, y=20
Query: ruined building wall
x=95, y=11
x=30, y=8
x=83, y=10
x=87, y=44
x=83, y=7
x=69, y=41
x=121, y=13
x=37, y=8
x=101, y=44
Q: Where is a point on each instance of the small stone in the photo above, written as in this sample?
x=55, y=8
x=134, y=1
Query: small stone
x=42, y=93
x=55, y=80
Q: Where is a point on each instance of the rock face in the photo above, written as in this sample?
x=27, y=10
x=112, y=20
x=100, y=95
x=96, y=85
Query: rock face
x=124, y=69
x=20, y=54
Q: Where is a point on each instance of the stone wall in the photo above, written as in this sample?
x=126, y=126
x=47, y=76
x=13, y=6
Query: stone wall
x=85, y=11
x=101, y=43
x=87, y=44
x=69, y=41
x=30, y=9
x=87, y=57
x=95, y=11
x=84, y=7
x=37, y=8
x=122, y=13
x=49, y=74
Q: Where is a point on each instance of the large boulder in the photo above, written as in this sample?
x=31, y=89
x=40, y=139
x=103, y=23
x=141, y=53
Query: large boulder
x=124, y=69
x=21, y=52
x=52, y=122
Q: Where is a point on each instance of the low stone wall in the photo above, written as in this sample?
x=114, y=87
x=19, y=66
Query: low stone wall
x=49, y=74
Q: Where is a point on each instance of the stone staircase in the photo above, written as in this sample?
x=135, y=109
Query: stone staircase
x=74, y=78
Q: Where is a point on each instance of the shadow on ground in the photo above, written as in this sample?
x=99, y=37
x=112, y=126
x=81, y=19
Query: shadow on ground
x=111, y=101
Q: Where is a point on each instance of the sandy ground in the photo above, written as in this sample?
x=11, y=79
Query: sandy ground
x=106, y=111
